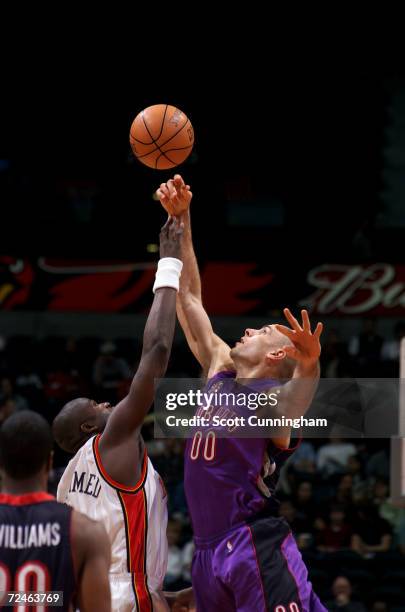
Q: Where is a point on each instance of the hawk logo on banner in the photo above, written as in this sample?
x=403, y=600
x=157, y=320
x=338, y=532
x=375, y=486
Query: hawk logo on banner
x=16, y=278
x=96, y=286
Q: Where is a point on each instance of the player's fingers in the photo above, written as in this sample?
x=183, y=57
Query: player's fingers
x=306, y=325
x=285, y=330
x=318, y=330
x=292, y=320
x=171, y=188
x=164, y=190
x=178, y=181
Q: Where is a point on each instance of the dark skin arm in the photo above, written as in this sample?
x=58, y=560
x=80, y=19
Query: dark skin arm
x=181, y=601
x=120, y=447
x=91, y=559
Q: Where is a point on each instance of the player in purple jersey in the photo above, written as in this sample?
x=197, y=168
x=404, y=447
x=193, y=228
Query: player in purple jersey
x=45, y=546
x=246, y=558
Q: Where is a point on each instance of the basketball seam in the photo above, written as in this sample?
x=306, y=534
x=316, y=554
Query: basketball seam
x=167, y=157
x=157, y=148
x=167, y=151
x=175, y=134
x=177, y=149
x=153, y=139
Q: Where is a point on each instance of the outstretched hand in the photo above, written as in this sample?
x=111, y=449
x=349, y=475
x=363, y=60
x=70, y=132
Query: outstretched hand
x=175, y=196
x=170, y=237
x=306, y=347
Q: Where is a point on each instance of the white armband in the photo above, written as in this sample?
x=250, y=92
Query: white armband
x=168, y=273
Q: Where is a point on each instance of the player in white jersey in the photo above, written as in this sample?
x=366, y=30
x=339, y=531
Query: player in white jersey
x=110, y=478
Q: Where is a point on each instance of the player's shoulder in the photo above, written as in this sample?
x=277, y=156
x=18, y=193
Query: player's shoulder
x=84, y=525
x=87, y=535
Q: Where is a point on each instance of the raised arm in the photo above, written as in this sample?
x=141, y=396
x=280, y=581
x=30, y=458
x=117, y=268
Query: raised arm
x=127, y=417
x=305, y=349
x=296, y=395
x=211, y=352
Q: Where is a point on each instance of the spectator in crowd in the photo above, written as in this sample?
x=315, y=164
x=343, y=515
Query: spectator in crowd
x=170, y=465
x=29, y=384
x=344, y=495
x=289, y=512
x=371, y=534
x=390, y=351
x=360, y=486
x=305, y=505
x=188, y=552
x=394, y=514
x=8, y=393
x=378, y=466
x=333, y=457
x=303, y=460
x=342, y=597
x=365, y=349
x=109, y=371
x=175, y=555
x=334, y=360
x=337, y=533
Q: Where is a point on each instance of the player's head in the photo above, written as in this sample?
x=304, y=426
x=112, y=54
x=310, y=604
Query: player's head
x=25, y=446
x=78, y=421
x=263, y=351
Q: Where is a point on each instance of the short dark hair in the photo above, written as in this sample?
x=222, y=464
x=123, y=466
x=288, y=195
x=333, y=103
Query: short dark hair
x=66, y=425
x=25, y=444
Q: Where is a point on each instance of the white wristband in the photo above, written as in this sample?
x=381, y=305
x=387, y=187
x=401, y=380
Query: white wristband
x=168, y=273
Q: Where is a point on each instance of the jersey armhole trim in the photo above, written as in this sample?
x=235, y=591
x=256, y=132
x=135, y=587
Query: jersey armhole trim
x=113, y=483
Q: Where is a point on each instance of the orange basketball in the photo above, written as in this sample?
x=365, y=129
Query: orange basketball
x=161, y=136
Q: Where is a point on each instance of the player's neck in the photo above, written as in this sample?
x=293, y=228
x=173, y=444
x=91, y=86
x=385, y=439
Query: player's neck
x=20, y=487
x=246, y=372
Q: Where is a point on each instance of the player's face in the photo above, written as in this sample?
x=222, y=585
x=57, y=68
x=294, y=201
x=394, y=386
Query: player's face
x=102, y=412
x=255, y=344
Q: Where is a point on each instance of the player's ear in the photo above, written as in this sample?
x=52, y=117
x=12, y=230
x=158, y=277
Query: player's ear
x=276, y=355
x=88, y=428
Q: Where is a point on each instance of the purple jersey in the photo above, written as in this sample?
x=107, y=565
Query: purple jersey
x=223, y=477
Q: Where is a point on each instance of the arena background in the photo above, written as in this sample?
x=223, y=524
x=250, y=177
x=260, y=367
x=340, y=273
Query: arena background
x=298, y=180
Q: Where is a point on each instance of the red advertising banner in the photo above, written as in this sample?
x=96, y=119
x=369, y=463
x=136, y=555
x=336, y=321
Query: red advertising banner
x=229, y=288
x=372, y=289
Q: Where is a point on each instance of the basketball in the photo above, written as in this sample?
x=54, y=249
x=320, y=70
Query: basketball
x=161, y=136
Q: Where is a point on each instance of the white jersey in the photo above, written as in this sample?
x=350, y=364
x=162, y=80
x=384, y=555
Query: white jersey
x=135, y=519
